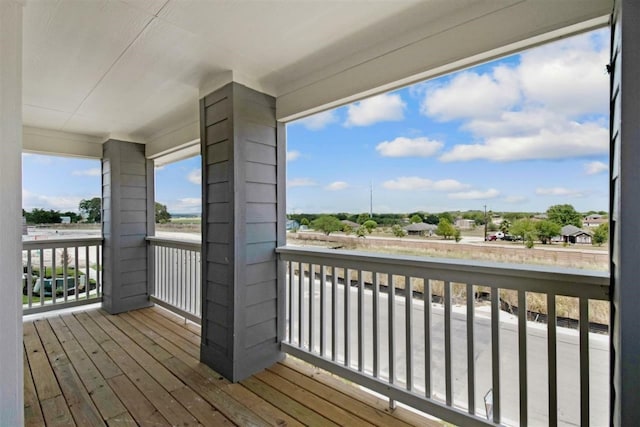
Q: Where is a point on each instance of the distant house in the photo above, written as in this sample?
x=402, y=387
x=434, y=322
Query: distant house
x=593, y=220
x=292, y=224
x=573, y=234
x=420, y=229
x=353, y=225
x=465, y=224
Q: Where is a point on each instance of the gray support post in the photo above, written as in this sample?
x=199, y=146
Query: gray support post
x=625, y=213
x=127, y=219
x=243, y=164
x=11, y=363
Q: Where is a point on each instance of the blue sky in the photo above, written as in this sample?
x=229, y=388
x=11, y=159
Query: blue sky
x=517, y=134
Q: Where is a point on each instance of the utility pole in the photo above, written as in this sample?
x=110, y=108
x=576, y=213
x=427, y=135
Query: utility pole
x=371, y=200
x=485, y=223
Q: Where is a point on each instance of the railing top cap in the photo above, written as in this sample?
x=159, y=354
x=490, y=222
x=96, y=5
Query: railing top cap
x=494, y=268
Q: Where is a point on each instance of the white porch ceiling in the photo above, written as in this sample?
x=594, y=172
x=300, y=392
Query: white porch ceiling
x=135, y=69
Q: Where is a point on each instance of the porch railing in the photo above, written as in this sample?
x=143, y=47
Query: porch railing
x=463, y=359
x=61, y=273
x=174, y=279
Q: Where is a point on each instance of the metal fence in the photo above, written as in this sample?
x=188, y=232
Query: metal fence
x=175, y=276
x=370, y=319
x=61, y=273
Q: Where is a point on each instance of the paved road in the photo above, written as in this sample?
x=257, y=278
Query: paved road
x=568, y=357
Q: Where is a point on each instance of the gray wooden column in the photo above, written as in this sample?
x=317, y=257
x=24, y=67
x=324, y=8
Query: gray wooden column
x=625, y=213
x=243, y=164
x=128, y=217
x=11, y=363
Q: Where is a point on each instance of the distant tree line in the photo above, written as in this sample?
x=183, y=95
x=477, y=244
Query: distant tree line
x=90, y=211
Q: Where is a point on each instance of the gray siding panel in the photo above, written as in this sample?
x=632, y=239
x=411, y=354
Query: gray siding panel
x=240, y=198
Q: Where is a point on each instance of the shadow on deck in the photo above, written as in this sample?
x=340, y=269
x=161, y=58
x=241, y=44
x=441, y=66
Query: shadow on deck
x=141, y=368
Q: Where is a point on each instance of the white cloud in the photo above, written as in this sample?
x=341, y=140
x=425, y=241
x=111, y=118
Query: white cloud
x=407, y=147
x=472, y=95
x=515, y=199
x=559, y=191
x=571, y=140
x=594, y=168
x=301, y=182
x=56, y=202
x=380, y=108
x=195, y=176
x=318, y=121
x=87, y=172
x=337, y=185
x=292, y=155
x=492, y=193
x=550, y=105
x=186, y=205
x=410, y=183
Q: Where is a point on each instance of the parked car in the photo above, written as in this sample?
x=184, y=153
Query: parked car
x=491, y=238
x=511, y=238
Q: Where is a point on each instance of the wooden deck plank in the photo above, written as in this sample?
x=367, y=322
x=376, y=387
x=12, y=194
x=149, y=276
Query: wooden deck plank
x=127, y=356
x=286, y=404
x=56, y=412
x=244, y=397
x=327, y=409
x=123, y=420
x=82, y=408
x=200, y=408
x=141, y=357
x=193, y=327
x=172, y=326
x=92, y=348
x=103, y=397
x=142, y=411
x=45, y=381
x=363, y=396
x=143, y=368
x=32, y=412
x=338, y=398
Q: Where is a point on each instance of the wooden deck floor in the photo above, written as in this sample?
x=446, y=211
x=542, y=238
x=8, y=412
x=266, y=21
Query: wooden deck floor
x=142, y=368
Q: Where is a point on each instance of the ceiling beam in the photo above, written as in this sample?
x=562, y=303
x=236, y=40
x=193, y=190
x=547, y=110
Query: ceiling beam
x=56, y=143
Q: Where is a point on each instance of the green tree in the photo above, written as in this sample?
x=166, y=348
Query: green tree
x=91, y=209
x=305, y=221
x=564, y=215
x=41, y=216
x=445, y=228
x=505, y=225
x=601, y=234
x=327, y=224
x=361, y=231
x=347, y=229
x=524, y=228
x=162, y=215
x=546, y=230
x=370, y=225
x=362, y=218
x=415, y=219
x=432, y=219
x=456, y=235
x=447, y=216
x=398, y=231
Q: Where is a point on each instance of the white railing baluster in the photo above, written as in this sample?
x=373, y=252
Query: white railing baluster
x=375, y=320
x=495, y=352
x=391, y=293
x=347, y=317
x=360, y=321
x=323, y=297
x=408, y=313
x=447, y=344
x=522, y=357
x=552, y=359
x=427, y=336
x=334, y=313
x=584, y=361
x=471, y=364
